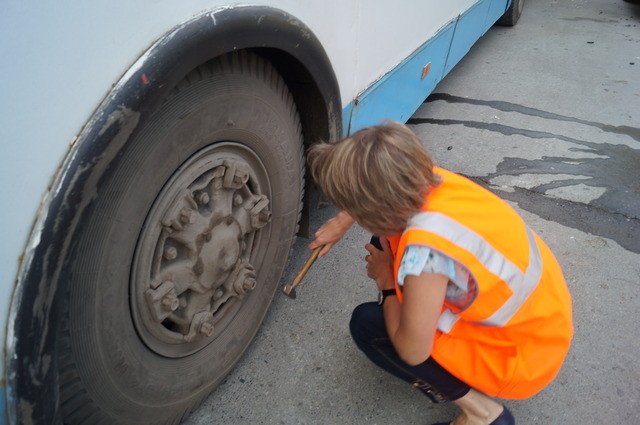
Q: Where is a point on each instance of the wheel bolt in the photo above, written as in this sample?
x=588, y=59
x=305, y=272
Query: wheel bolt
x=206, y=329
x=265, y=215
x=237, y=200
x=170, y=302
x=203, y=198
x=186, y=216
x=170, y=253
x=218, y=294
x=249, y=284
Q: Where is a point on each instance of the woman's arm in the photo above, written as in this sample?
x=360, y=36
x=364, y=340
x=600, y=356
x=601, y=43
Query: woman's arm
x=411, y=325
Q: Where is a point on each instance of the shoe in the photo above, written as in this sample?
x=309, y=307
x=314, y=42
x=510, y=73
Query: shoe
x=505, y=418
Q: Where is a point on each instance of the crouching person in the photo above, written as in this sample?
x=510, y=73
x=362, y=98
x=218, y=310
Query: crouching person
x=473, y=305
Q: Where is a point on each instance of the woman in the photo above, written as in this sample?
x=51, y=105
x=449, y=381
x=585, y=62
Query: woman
x=473, y=304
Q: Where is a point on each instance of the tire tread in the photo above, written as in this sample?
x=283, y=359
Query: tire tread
x=77, y=406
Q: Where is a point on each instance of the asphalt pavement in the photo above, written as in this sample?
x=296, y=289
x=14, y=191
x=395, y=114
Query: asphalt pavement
x=546, y=115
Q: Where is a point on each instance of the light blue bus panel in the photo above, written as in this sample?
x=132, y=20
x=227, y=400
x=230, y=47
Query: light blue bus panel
x=400, y=92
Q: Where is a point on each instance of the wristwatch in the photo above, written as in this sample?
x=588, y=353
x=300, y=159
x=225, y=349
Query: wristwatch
x=382, y=295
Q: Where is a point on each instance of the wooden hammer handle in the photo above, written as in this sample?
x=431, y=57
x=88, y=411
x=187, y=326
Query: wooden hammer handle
x=307, y=265
x=290, y=290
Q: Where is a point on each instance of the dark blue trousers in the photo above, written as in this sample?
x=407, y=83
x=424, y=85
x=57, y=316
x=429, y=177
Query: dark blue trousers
x=370, y=335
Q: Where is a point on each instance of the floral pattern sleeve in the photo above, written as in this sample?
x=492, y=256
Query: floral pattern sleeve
x=418, y=259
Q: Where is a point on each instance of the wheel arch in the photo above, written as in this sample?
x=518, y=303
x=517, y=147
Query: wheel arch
x=286, y=42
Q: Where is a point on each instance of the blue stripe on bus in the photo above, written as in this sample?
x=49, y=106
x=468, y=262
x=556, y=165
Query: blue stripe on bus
x=3, y=406
x=400, y=92
x=471, y=25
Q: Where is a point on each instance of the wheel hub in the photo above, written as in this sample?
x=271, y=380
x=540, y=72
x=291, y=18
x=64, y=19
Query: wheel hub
x=193, y=260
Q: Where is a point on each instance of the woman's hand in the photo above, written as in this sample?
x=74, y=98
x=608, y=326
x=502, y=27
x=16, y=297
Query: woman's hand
x=380, y=264
x=331, y=232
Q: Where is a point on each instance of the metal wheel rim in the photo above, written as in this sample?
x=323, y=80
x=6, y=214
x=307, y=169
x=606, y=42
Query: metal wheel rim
x=223, y=171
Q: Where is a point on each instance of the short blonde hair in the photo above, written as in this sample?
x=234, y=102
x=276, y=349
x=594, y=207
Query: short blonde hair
x=380, y=175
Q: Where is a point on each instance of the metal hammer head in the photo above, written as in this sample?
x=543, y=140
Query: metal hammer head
x=289, y=291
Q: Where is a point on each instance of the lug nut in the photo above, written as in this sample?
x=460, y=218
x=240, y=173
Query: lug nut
x=249, y=284
x=170, y=253
x=218, y=294
x=206, y=329
x=170, y=302
x=203, y=198
x=187, y=216
x=265, y=215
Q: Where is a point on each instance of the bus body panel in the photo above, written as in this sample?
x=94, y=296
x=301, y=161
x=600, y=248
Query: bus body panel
x=401, y=91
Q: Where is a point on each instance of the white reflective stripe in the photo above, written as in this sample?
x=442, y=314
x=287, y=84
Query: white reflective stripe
x=522, y=284
x=522, y=291
x=466, y=238
x=446, y=320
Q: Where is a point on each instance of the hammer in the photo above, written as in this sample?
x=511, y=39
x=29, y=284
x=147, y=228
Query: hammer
x=290, y=290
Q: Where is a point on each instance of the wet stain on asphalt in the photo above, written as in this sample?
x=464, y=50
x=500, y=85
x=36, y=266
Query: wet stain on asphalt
x=615, y=214
x=500, y=105
x=584, y=217
x=602, y=21
x=618, y=171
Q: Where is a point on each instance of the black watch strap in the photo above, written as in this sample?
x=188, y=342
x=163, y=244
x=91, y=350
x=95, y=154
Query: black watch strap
x=382, y=295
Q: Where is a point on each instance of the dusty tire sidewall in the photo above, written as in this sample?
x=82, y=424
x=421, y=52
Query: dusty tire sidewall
x=114, y=364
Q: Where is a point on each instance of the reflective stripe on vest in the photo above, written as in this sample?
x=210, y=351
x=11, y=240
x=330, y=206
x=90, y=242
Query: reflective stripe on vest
x=522, y=284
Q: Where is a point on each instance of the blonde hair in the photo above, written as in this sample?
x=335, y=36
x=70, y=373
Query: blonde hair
x=380, y=175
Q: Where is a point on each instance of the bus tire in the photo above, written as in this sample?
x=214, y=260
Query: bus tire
x=512, y=15
x=183, y=248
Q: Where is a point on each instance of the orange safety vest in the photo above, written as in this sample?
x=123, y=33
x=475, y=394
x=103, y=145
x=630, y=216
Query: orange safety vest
x=511, y=341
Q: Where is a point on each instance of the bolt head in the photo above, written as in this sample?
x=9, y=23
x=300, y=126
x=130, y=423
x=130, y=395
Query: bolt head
x=170, y=302
x=249, y=284
x=237, y=200
x=265, y=215
x=206, y=329
x=170, y=253
x=187, y=216
x=218, y=294
x=203, y=198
